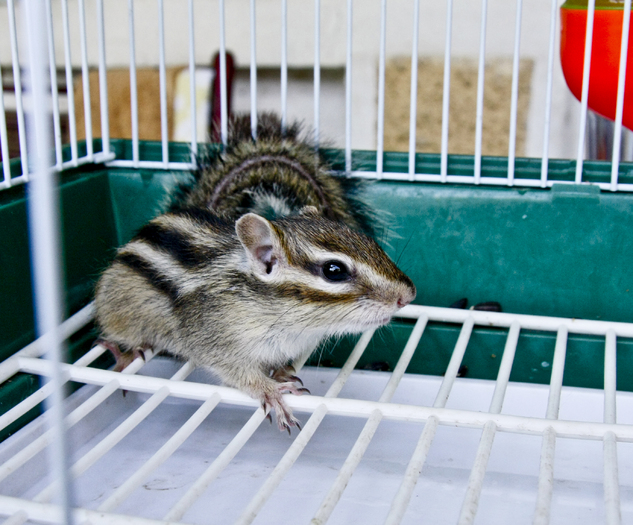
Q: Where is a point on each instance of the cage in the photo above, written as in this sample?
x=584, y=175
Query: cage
x=478, y=159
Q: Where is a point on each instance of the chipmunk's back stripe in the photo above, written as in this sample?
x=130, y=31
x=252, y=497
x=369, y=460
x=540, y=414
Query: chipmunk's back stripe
x=278, y=160
x=150, y=273
x=202, y=216
x=175, y=244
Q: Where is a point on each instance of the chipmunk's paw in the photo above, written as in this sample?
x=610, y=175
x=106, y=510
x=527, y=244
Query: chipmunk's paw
x=289, y=387
x=286, y=374
x=283, y=414
x=123, y=359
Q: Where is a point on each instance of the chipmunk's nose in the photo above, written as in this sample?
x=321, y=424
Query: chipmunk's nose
x=403, y=301
x=406, y=298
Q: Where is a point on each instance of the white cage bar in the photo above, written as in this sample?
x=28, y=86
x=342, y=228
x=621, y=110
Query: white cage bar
x=133, y=86
x=548, y=93
x=192, y=82
x=514, y=98
x=85, y=80
x=380, y=136
x=617, y=139
x=6, y=167
x=413, y=97
x=72, y=122
x=446, y=90
x=44, y=228
x=348, y=88
x=57, y=133
x=284, y=64
x=317, y=70
x=224, y=111
x=480, y=91
x=253, y=72
x=17, y=82
x=103, y=82
x=163, y=85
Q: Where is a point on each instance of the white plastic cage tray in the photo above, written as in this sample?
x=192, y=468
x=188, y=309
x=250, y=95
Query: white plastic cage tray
x=177, y=448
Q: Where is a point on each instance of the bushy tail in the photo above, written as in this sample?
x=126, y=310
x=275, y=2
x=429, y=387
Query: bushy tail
x=274, y=175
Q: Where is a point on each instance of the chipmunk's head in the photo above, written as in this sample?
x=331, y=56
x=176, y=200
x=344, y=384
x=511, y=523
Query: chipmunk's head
x=336, y=279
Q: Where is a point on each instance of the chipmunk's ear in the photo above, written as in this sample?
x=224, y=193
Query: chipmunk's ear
x=260, y=242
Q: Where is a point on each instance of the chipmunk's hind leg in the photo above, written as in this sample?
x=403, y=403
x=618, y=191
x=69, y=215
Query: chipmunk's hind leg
x=123, y=358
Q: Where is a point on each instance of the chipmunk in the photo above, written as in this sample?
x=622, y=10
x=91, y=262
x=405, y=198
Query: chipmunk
x=254, y=265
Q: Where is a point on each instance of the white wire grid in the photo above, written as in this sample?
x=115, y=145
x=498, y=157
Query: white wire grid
x=109, y=444
x=548, y=427
x=107, y=156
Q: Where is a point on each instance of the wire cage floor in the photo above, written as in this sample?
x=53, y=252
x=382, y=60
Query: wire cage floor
x=177, y=448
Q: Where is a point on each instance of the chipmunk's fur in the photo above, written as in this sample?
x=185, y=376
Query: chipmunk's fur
x=274, y=176
x=215, y=283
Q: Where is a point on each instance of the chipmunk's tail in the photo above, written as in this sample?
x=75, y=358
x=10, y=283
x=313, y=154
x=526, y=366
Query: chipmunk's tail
x=275, y=175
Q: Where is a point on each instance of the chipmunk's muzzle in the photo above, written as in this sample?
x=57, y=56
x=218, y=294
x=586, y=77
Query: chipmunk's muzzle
x=407, y=294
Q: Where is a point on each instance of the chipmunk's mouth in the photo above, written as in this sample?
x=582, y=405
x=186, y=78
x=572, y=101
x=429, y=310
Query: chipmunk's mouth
x=373, y=318
x=368, y=323
x=376, y=323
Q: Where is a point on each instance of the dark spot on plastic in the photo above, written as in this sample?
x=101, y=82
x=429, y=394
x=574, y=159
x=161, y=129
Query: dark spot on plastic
x=489, y=306
x=461, y=304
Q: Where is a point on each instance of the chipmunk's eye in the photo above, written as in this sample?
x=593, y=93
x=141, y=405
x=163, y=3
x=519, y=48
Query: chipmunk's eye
x=335, y=271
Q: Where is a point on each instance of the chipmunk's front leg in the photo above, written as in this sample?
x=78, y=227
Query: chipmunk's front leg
x=274, y=400
x=269, y=391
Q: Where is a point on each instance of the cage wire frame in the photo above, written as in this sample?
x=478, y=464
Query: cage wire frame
x=37, y=169
x=107, y=157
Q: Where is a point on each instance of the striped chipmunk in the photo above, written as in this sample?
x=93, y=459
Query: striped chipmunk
x=261, y=258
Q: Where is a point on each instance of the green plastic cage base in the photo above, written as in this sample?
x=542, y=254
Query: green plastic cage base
x=563, y=252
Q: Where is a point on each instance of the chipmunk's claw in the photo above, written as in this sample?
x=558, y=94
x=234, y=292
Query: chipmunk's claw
x=296, y=424
x=123, y=358
x=113, y=347
x=274, y=401
x=291, y=388
x=286, y=374
x=295, y=379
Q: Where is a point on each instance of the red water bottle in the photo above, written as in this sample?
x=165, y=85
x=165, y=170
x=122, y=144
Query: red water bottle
x=605, y=56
